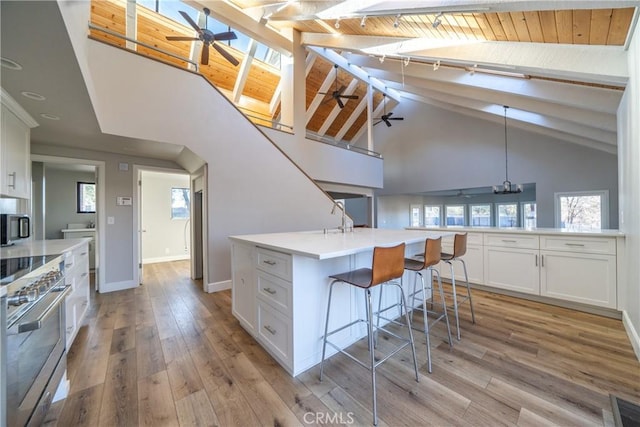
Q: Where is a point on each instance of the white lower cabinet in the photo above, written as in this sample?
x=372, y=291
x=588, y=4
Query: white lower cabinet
x=243, y=278
x=512, y=269
x=274, y=330
x=76, y=270
x=583, y=270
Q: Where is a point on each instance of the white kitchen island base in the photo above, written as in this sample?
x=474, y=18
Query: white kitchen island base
x=281, y=285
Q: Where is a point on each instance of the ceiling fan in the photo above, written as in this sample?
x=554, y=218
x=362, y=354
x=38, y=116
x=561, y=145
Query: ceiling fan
x=386, y=117
x=337, y=94
x=208, y=38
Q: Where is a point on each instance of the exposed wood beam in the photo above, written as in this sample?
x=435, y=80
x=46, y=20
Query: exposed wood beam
x=588, y=63
x=243, y=73
x=131, y=25
x=354, y=70
x=324, y=87
x=362, y=105
x=336, y=110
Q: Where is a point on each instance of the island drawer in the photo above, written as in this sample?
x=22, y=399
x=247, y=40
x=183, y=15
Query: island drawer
x=274, y=330
x=593, y=245
x=275, y=291
x=275, y=263
x=505, y=240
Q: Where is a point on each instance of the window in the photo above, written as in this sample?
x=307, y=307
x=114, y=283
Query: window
x=86, y=197
x=481, y=215
x=582, y=209
x=507, y=214
x=179, y=203
x=415, y=215
x=454, y=214
x=529, y=219
x=431, y=215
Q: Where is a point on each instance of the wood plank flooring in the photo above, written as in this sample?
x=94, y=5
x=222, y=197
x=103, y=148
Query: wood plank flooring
x=167, y=354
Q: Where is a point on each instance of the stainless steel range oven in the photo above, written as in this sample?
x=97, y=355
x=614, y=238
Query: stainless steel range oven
x=34, y=342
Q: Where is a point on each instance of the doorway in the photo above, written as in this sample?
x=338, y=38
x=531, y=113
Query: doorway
x=164, y=217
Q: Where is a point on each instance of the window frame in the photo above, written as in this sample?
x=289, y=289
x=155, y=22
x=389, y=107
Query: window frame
x=79, y=192
x=464, y=214
x=424, y=212
x=523, y=220
x=517, y=216
x=188, y=202
x=413, y=207
x=604, y=205
x=471, y=205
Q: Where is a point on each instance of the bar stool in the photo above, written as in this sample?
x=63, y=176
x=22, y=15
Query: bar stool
x=432, y=248
x=387, y=265
x=459, y=249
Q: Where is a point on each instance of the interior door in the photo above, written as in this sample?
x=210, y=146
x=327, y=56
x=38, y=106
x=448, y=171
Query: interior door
x=141, y=229
x=197, y=235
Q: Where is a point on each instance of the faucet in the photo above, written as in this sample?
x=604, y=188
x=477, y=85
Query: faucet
x=343, y=227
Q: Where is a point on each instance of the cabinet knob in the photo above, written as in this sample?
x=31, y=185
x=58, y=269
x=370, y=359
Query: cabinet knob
x=270, y=329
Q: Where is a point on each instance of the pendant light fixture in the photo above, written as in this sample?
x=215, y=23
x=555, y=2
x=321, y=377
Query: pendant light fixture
x=507, y=187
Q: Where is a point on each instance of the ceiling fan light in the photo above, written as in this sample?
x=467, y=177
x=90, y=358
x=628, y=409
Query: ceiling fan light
x=396, y=23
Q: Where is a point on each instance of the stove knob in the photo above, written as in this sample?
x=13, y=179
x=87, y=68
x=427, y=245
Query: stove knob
x=32, y=294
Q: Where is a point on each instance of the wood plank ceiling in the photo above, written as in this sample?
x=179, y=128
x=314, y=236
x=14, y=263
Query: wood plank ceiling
x=580, y=26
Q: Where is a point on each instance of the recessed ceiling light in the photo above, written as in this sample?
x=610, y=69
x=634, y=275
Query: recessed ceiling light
x=33, y=95
x=49, y=116
x=8, y=63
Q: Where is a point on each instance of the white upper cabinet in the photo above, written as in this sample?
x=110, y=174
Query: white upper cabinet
x=15, y=179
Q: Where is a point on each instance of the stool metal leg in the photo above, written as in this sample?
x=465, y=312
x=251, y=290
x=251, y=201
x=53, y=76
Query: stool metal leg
x=326, y=329
x=425, y=318
x=444, y=303
x=455, y=299
x=466, y=277
x=372, y=358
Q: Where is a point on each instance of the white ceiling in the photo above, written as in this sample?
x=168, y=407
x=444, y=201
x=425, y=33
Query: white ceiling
x=33, y=34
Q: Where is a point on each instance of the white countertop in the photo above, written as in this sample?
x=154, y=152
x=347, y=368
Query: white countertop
x=317, y=244
x=522, y=230
x=77, y=230
x=41, y=247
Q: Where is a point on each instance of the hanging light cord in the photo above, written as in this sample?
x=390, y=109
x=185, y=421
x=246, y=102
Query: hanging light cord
x=506, y=158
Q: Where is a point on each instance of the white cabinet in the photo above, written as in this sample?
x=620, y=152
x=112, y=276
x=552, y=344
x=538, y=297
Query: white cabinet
x=579, y=269
x=473, y=258
x=512, y=269
x=76, y=270
x=243, y=279
x=15, y=179
x=79, y=233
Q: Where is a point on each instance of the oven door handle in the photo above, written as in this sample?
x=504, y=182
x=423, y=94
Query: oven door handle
x=37, y=324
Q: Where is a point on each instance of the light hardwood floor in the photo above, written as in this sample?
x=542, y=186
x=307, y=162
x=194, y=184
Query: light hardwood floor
x=167, y=354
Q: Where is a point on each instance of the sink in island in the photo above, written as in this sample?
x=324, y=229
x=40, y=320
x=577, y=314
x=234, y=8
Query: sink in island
x=281, y=284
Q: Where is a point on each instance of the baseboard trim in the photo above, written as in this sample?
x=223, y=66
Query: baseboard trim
x=218, y=286
x=631, y=333
x=117, y=286
x=166, y=259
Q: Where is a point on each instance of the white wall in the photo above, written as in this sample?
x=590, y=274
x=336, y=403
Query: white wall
x=434, y=149
x=327, y=163
x=252, y=186
x=164, y=238
x=629, y=164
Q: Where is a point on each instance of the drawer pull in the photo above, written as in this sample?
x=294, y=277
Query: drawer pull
x=542, y=260
x=509, y=241
x=83, y=253
x=270, y=329
x=580, y=245
x=269, y=291
x=536, y=260
x=269, y=262
x=13, y=186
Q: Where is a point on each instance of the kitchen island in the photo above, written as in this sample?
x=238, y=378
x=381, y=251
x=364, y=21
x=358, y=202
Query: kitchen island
x=281, y=285
x=580, y=269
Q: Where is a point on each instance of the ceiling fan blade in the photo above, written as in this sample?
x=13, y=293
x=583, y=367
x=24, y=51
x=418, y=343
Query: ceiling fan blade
x=204, y=58
x=349, y=96
x=191, y=22
x=180, y=38
x=229, y=35
x=226, y=54
x=388, y=123
x=379, y=121
x=339, y=91
x=390, y=114
x=340, y=104
x=396, y=118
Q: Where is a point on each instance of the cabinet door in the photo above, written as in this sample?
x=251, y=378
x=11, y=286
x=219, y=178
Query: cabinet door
x=579, y=277
x=474, y=259
x=243, y=285
x=513, y=269
x=16, y=170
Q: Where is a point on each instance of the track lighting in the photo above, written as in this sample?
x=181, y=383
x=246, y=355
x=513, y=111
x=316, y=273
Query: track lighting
x=406, y=61
x=396, y=23
x=436, y=65
x=363, y=21
x=437, y=21
x=337, y=24
x=382, y=59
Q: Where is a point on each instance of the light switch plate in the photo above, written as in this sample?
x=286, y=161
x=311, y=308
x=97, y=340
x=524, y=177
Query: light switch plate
x=111, y=220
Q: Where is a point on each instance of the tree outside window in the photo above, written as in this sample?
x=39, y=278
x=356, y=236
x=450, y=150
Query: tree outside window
x=86, y=197
x=481, y=215
x=179, y=203
x=582, y=210
x=507, y=215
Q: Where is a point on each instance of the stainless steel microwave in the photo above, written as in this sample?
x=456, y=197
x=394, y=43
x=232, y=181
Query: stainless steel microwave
x=13, y=228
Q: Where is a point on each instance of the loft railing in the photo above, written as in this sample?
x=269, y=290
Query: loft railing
x=257, y=120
